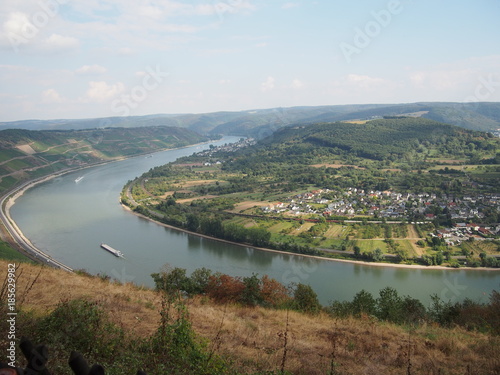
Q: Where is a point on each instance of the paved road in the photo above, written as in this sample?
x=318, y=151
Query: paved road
x=19, y=237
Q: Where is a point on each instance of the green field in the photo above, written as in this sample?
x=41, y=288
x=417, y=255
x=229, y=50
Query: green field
x=370, y=245
x=8, y=253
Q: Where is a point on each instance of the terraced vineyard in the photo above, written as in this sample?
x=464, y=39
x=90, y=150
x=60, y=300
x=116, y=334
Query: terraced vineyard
x=26, y=155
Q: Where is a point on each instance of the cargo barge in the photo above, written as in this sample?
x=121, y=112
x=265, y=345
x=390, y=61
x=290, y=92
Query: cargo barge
x=116, y=253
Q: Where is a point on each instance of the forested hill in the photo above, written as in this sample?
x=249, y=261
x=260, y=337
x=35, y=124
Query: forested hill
x=379, y=154
x=383, y=139
x=259, y=123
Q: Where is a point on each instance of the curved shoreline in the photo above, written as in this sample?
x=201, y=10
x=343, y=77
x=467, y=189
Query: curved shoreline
x=8, y=199
x=358, y=262
x=32, y=252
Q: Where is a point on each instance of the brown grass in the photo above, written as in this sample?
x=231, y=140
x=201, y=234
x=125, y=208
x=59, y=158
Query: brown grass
x=327, y=165
x=253, y=338
x=242, y=206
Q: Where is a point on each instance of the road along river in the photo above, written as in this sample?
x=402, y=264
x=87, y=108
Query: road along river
x=68, y=220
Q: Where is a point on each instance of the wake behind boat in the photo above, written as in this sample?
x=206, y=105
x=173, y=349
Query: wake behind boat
x=116, y=253
x=79, y=179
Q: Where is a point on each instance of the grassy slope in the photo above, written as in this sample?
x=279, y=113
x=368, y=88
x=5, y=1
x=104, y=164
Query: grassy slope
x=46, y=152
x=253, y=337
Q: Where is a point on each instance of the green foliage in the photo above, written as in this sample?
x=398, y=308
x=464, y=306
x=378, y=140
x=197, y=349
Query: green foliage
x=8, y=253
x=83, y=326
x=389, y=306
x=175, y=349
x=79, y=325
x=251, y=295
x=222, y=288
x=306, y=299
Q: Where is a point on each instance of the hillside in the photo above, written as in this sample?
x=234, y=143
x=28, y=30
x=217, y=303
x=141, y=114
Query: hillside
x=251, y=339
x=385, y=190
x=29, y=154
x=262, y=122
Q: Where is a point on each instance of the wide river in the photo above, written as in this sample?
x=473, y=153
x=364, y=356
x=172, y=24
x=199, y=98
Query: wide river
x=69, y=220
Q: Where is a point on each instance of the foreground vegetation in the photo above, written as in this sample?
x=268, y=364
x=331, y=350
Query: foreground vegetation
x=416, y=176
x=126, y=328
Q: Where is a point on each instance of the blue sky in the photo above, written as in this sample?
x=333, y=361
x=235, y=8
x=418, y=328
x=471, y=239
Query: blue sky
x=100, y=58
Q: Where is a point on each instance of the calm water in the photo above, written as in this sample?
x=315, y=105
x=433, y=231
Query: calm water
x=69, y=220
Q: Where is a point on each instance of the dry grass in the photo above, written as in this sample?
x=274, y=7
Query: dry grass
x=253, y=338
x=242, y=206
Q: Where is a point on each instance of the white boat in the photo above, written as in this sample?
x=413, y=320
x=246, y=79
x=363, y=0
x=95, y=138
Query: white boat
x=79, y=179
x=116, y=253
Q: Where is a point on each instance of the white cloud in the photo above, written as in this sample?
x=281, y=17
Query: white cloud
x=447, y=79
x=101, y=91
x=297, y=84
x=125, y=51
x=91, y=70
x=222, y=7
x=268, y=85
x=364, y=81
x=289, y=5
x=56, y=43
x=17, y=30
x=151, y=12
x=51, y=96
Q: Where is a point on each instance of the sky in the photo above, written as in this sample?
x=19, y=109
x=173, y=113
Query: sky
x=101, y=58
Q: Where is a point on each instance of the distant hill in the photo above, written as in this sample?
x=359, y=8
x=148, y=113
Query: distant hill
x=262, y=122
x=378, y=139
x=27, y=154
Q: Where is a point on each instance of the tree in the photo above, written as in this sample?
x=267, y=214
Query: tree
x=199, y=280
x=251, y=295
x=363, y=303
x=273, y=293
x=439, y=258
x=306, y=299
x=414, y=311
x=389, y=305
x=377, y=255
x=172, y=280
x=224, y=288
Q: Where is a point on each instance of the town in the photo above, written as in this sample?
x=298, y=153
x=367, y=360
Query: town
x=464, y=212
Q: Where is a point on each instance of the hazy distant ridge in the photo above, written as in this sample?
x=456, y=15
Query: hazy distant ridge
x=476, y=116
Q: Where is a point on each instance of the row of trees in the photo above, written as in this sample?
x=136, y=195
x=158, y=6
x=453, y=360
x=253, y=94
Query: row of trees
x=388, y=306
x=248, y=291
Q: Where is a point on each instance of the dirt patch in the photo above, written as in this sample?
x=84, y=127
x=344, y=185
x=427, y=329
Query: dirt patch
x=188, y=184
x=188, y=200
x=249, y=204
x=335, y=166
x=27, y=149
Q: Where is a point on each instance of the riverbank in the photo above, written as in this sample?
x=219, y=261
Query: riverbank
x=13, y=235
x=372, y=264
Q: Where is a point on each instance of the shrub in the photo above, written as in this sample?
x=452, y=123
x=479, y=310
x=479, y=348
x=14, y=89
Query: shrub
x=305, y=299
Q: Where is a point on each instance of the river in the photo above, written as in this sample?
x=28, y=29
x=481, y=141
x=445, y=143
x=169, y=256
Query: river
x=69, y=220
